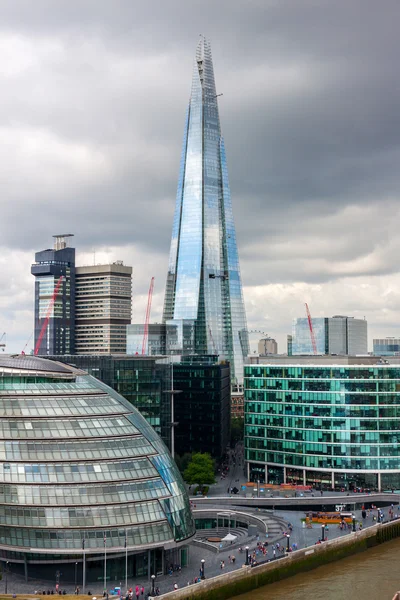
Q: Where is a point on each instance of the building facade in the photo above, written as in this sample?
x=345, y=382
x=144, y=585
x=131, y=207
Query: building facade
x=387, y=346
x=331, y=422
x=333, y=335
x=54, y=272
x=103, y=308
x=202, y=405
x=203, y=282
x=84, y=477
x=267, y=346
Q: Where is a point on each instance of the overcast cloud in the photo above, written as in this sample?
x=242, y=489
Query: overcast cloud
x=92, y=108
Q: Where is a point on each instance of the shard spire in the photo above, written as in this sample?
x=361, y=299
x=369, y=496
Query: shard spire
x=203, y=282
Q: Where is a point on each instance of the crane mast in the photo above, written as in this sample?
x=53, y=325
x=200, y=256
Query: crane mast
x=147, y=319
x=312, y=335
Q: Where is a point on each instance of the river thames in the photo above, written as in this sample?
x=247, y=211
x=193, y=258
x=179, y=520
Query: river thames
x=370, y=575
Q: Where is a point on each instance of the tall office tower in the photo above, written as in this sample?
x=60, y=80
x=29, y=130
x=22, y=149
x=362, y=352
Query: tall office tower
x=203, y=283
x=55, y=299
x=103, y=308
x=333, y=335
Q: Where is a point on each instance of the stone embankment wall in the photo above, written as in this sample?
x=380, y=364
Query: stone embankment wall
x=249, y=578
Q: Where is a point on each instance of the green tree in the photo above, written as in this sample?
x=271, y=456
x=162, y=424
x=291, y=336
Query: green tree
x=200, y=470
x=183, y=461
x=237, y=430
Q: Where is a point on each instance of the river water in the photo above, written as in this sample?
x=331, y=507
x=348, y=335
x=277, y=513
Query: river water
x=370, y=575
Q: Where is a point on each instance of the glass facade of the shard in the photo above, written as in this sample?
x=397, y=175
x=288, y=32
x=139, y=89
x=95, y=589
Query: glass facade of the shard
x=203, y=283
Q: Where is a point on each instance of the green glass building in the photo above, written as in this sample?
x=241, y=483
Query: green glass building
x=86, y=480
x=331, y=422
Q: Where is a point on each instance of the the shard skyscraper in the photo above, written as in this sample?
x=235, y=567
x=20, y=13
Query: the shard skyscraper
x=203, y=298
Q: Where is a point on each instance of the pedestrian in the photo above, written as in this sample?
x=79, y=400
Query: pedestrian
x=137, y=592
x=175, y=586
x=142, y=591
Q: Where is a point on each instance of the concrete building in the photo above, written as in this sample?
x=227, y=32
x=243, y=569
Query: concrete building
x=103, y=308
x=84, y=475
x=54, y=272
x=333, y=335
x=328, y=421
x=267, y=346
x=387, y=346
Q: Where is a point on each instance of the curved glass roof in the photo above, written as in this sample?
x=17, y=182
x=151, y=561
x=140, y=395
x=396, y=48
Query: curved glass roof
x=80, y=465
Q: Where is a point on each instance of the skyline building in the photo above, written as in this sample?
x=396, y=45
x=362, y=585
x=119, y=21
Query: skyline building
x=389, y=346
x=103, y=308
x=84, y=475
x=203, y=285
x=328, y=421
x=49, y=266
x=339, y=334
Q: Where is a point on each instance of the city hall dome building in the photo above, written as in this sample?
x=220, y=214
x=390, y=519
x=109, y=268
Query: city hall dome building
x=85, y=482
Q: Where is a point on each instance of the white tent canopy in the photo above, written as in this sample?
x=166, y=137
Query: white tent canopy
x=229, y=538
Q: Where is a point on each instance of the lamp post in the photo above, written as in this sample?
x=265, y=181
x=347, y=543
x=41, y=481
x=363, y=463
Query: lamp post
x=288, y=543
x=354, y=523
x=76, y=575
x=247, y=556
x=323, y=533
x=83, y=566
x=202, y=568
x=153, y=589
x=6, y=574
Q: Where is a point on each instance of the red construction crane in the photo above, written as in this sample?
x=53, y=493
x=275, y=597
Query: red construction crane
x=147, y=319
x=314, y=343
x=48, y=314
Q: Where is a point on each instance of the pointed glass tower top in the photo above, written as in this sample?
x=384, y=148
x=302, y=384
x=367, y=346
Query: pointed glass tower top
x=204, y=287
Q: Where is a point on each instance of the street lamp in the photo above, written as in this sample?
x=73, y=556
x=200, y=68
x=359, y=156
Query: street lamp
x=202, y=568
x=76, y=575
x=323, y=533
x=354, y=523
x=247, y=556
x=6, y=574
x=288, y=543
x=153, y=589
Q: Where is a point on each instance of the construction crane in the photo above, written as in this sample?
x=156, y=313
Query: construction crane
x=26, y=345
x=147, y=319
x=314, y=344
x=2, y=345
x=48, y=314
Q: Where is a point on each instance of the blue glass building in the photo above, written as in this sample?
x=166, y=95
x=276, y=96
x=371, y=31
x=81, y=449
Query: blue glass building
x=328, y=421
x=203, y=282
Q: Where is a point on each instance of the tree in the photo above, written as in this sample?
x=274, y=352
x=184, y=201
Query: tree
x=200, y=470
x=183, y=461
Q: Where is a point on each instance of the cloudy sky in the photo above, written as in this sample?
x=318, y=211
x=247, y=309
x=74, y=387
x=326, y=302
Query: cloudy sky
x=92, y=106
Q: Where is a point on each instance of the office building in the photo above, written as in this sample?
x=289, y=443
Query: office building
x=154, y=345
x=267, y=346
x=203, y=282
x=103, y=308
x=328, y=421
x=84, y=477
x=54, y=272
x=336, y=335
x=142, y=380
x=202, y=405
x=237, y=405
x=387, y=346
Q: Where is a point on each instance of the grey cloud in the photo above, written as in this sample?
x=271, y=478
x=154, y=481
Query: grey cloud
x=91, y=120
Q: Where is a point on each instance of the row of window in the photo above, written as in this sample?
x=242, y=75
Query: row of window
x=79, y=450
